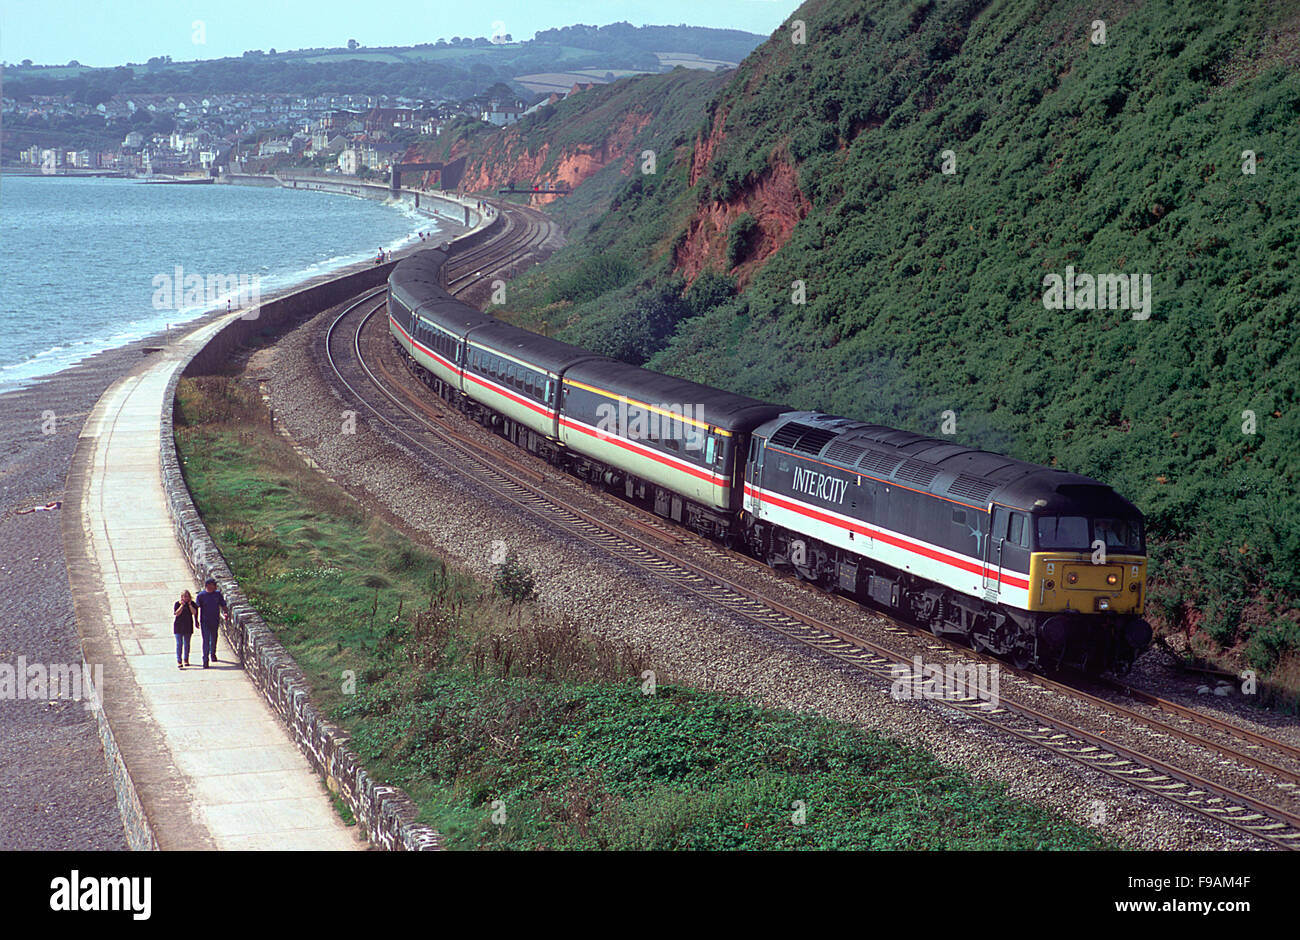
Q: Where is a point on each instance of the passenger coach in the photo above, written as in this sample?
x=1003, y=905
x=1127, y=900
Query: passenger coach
x=675, y=445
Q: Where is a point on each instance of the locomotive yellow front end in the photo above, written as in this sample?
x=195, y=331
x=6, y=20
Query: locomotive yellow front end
x=1087, y=590
x=1073, y=581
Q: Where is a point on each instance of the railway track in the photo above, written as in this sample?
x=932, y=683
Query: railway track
x=658, y=550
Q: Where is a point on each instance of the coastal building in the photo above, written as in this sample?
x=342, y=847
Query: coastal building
x=501, y=114
x=350, y=161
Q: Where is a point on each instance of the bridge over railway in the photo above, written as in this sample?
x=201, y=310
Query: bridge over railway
x=449, y=174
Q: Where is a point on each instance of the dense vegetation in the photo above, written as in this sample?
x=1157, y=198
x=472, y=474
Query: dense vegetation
x=925, y=289
x=512, y=730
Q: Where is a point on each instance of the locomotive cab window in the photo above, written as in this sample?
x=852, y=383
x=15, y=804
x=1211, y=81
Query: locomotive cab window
x=1120, y=535
x=1063, y=532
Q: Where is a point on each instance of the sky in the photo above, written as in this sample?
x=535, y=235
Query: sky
x=114, y=32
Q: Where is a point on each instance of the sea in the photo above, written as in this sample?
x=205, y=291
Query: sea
x=90, y=264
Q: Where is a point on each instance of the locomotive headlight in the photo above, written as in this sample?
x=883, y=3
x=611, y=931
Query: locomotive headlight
x=1133, y=587
x=1072, y=578
x=1050, y=584
x=1112, y=579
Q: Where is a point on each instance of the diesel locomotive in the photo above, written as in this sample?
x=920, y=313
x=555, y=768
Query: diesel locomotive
x=1044, y=567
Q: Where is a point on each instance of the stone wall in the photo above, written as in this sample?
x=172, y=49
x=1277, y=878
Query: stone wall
x=386, y=814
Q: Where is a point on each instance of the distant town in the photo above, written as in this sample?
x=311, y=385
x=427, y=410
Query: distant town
x=349, y=110
x=357, y=135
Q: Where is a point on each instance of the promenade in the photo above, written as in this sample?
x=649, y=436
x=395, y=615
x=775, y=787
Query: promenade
x=212, y=765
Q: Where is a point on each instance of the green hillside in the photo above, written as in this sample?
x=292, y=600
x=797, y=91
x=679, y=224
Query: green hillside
x=457, y=68
x=925, y=290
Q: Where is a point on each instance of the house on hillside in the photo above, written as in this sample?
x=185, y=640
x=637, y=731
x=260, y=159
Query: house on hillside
x=501, y=114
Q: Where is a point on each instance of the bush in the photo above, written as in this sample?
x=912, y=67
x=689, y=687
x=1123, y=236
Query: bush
x=648, y=328
x=514, y=580
x=709, y=290
x=596, y=275
x=739, y=238
x=1271, y=642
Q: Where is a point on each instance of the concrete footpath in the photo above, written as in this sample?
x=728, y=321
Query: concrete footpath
x=210, y=764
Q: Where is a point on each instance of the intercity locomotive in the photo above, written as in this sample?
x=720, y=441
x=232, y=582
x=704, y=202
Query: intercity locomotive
x=1045, y=567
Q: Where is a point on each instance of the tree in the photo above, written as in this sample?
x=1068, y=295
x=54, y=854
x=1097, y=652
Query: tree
x=352, y=43
x=27, y=61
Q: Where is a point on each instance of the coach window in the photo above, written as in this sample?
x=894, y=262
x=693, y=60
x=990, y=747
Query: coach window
x=550, y=390
x=709, y=445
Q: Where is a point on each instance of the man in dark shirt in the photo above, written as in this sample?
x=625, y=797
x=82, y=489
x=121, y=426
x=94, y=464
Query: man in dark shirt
x=212, y=606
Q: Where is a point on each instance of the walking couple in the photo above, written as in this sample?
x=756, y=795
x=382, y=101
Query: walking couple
x=208, y=608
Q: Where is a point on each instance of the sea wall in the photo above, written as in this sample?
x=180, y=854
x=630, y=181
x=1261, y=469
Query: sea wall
x=452, y=206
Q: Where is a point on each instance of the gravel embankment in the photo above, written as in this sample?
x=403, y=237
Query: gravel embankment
x=686, y=641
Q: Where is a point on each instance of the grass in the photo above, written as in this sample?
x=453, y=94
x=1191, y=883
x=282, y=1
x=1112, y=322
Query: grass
x=512, y=730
